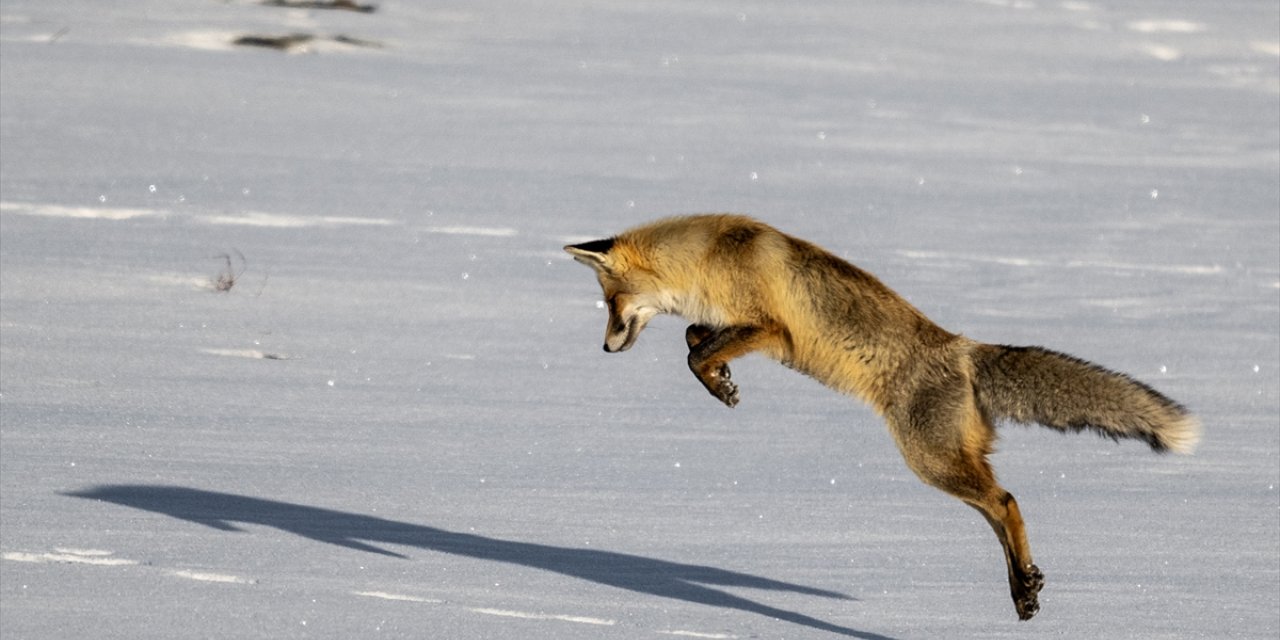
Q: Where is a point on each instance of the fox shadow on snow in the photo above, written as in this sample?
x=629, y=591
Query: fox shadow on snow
x=690, y=583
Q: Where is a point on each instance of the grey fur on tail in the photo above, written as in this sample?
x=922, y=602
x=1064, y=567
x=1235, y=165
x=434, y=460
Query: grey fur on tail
x=1032, y=384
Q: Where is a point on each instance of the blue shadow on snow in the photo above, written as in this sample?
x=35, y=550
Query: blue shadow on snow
x=634, y=573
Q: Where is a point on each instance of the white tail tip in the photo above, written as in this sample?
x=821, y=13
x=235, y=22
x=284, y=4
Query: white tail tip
x=1182, y=436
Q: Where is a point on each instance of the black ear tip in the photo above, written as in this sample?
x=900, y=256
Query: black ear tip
x=595, y=246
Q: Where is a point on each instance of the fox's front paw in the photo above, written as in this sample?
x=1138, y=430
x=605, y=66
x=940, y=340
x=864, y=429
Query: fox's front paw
x=724, y=388
x=1027, y=601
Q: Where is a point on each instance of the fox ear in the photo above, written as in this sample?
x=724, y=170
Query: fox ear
x=594, y=254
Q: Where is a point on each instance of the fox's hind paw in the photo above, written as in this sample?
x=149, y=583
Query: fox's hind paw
x=1028, y=602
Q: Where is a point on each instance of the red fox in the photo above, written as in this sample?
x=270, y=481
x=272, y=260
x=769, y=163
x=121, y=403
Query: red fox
x=747, y=287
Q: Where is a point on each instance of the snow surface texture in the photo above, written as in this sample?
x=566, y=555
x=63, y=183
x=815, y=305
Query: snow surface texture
x=395, y=419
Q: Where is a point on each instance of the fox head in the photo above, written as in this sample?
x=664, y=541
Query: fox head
x=632, y=291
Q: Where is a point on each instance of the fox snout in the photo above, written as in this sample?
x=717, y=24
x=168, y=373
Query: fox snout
x=626, y=321
x=621, y=333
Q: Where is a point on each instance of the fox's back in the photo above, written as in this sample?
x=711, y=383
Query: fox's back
x=844, y=327
x=850, y=330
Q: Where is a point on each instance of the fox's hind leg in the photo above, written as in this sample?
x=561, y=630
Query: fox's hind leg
x=710, y=351
x=1025, y=578
x=945, y=442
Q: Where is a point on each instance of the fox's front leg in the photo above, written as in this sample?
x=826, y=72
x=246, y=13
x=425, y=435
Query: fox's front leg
x=714, y=377
x=709, y=355
x=696, y=333
x=710, y=351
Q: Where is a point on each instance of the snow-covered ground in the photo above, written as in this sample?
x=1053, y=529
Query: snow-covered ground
x=398, y=421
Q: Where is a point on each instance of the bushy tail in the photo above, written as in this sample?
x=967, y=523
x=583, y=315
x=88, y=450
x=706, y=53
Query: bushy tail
x=1031, y=384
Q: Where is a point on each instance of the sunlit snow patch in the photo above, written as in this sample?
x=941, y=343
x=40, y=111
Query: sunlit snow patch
x=383, y=595
x=1184, y=269
x=1272, y=48
x=202, y=576
x=1162, y=52
x=72, y=556
x=179, y=280
x=697, y=634
x=1165, y=26
x=252, y=354
x=474, y=231
x=544, y=616
x=206, y=40
x=281, y=221
x=1011, y=4
x=943, y=256
x=83, y=213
